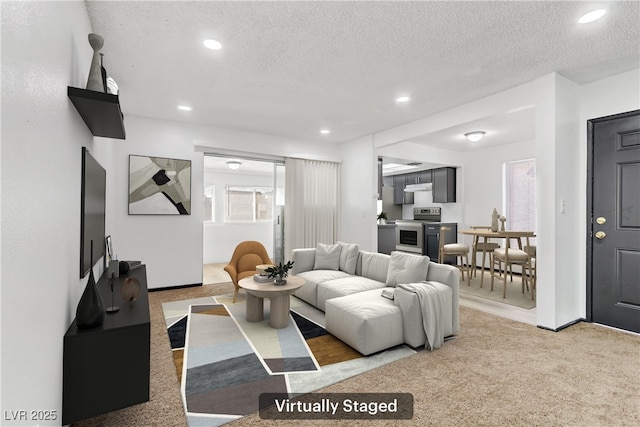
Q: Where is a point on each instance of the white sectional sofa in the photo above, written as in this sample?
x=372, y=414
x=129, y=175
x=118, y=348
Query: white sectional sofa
x=347, y=283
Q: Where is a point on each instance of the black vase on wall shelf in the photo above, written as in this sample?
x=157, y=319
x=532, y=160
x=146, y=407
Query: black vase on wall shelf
x=90, y=310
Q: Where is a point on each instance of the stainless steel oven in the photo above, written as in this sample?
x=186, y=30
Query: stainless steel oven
x=409, y=236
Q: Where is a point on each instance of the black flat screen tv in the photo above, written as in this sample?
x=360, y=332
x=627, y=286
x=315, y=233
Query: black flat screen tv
x=92, y=212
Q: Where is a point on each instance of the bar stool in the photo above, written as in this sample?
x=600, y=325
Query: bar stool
x=484, y=247
x=454, y=249
x=510, y=256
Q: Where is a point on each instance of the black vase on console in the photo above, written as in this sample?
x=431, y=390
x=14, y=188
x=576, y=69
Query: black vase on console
x=90, y=310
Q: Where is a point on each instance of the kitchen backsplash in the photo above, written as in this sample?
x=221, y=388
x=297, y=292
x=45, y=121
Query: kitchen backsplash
x=451, y=212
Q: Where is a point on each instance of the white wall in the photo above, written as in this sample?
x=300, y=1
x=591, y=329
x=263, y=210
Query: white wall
x=172, y=247
x=44, y=50
x=359, y=194
x=169, y=245
x=483, y=181
x=220, y=238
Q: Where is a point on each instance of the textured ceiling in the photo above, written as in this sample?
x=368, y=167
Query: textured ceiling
x=292, y=68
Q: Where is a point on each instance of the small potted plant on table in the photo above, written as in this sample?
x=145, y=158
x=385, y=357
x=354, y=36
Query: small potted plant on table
x=279, y=272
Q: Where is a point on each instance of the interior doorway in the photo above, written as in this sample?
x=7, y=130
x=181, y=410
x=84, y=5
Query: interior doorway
x=243, y=200
x=613, y=223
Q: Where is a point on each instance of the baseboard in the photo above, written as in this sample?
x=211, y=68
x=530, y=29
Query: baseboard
x=558, y=329
x=169, y=288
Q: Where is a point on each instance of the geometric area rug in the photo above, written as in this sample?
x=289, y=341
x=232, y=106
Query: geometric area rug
x=224, y=362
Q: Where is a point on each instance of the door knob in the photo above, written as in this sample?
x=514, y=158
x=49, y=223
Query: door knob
x=601, y=220
x=600, y=235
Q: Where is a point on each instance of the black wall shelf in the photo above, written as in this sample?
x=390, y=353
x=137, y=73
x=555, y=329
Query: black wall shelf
x=100, y=111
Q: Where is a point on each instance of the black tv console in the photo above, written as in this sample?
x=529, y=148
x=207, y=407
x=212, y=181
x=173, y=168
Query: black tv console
x=107, y=367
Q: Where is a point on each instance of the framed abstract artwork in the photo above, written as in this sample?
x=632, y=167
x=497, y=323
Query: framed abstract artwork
x=159, y=186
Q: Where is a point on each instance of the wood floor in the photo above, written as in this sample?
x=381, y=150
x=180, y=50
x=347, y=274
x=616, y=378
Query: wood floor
x=214, y=273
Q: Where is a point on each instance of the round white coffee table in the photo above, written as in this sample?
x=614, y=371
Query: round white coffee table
x=278, y=297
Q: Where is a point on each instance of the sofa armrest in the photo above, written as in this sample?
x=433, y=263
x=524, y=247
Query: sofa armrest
x=303, y=259
x=450, y=276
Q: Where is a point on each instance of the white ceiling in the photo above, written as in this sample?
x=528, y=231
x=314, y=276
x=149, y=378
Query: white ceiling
x=292, y=68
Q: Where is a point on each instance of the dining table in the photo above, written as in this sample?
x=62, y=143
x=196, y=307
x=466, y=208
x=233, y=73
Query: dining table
x=487, y=234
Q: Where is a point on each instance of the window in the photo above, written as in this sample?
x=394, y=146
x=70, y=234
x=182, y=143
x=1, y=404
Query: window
x=209, y=203
x=520, y=195
x=248, y=204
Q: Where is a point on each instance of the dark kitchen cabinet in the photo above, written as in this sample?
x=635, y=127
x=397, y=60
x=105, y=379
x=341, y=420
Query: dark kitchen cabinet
x=424, y=177
x=432, y=240
x=444, y=185
x=386, y=238
x=400, y=197
x=411, y=178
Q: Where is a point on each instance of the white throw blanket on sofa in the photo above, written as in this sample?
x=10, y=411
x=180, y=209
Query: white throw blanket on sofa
x=433, y=305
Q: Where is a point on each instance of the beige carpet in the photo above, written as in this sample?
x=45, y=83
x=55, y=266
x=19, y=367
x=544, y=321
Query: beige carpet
x=498, y=372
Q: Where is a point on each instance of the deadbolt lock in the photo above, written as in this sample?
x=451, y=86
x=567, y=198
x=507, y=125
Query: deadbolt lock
x=601, y=220
x=600, y=235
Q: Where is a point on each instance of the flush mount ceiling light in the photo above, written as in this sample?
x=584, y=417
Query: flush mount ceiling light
x=402, y=99
x=233, y=164
x=325, y=131
x=184, y=108
x=212, y=44
x=475, y=136
x=594, y=15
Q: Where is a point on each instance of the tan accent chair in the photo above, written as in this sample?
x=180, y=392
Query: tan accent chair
x=245, y=258
x=484, y=247
x=510, y=256
x=459, y=250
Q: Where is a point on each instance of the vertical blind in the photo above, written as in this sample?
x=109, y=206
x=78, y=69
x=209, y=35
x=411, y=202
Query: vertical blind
x=520, y=195
x=312, y=203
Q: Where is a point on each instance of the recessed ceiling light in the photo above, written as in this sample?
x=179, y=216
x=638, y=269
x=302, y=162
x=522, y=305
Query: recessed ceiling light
x=325, y=131
x=213, y=44
x=184, y=108
x=403, y=99
x=592, y=16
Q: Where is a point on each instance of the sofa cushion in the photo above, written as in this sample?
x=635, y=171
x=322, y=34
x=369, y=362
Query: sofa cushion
x=308, y=292
x=327, y=257
x=345, y=286
x=406, y=268
x=366, y=321
x=349, y=257
x=374, y=265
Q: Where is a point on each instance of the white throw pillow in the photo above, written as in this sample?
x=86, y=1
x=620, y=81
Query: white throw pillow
x=327, y=257
x=407, y=268
x=375, y=266
x=349, y=257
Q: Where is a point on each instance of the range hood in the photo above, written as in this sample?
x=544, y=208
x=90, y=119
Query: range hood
x=412, y=188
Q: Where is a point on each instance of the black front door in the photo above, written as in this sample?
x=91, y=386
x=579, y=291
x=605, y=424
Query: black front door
x=613, y=258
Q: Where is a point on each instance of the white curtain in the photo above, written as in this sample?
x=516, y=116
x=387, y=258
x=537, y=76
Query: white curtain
x=312, y=195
